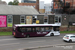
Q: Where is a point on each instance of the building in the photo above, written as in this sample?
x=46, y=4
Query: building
x=67, y=9
x=41, y=7
x=34, y=3
x=64, y=6
x=3, y=3
x=48, y=8
x=10, y=15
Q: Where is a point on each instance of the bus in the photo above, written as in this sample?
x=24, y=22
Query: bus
x=35, y=30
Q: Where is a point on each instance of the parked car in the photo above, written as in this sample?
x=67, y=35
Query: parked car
x=69, y=38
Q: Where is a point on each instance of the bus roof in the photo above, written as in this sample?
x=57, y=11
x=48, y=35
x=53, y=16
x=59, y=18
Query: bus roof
x=36, y=25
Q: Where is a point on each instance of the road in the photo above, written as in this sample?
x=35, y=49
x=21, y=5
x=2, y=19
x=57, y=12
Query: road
x=69, y=47
x=11, y=43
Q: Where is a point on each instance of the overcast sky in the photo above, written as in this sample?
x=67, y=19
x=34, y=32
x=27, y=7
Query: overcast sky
x=45, y=1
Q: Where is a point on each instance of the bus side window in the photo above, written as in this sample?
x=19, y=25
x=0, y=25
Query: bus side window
x=42, y=29
x=51, y=29
x=19, y=29
x=47, y=29
x=22, y=29
x=38, y=29
x=28, y=29
x=33, y=30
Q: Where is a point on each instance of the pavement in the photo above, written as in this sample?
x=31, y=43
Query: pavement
x=58, y=46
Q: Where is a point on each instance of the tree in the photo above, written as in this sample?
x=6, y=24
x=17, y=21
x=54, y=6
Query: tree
x=15, y=2
x=10, y=3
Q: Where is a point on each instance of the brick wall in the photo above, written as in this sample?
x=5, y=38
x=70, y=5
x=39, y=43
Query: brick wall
x=65, y=28
x=62, y=28
x=72, y=3
x=55, y=6
x=36, y=5
x=5, y=29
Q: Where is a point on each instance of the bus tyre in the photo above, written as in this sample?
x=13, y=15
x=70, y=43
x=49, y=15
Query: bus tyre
x=27, y=36
x=70, y=41
x=51, y=34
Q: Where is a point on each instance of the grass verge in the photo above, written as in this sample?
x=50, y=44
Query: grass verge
x=67, y=31
x=5, y=33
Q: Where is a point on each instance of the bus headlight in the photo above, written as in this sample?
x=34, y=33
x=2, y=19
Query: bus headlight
x=14, y=33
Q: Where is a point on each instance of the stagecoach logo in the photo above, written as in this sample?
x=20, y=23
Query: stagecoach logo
x=41, y=32
x=73, y=23
x=38, y=32
x=44, y=32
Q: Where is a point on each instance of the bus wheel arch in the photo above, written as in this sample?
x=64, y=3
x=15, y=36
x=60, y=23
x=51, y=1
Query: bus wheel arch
x=52, y=34
x=27, y=36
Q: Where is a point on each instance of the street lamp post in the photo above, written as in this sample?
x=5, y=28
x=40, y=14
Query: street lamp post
x=64, y=5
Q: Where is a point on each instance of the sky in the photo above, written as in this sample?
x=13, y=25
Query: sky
x=45, y=1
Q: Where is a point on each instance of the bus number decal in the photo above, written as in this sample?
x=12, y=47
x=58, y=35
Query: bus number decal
x=44, y=32
x=38, y=32
x=41, y=32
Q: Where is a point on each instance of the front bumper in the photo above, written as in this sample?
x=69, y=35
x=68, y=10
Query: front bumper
x=66, y=39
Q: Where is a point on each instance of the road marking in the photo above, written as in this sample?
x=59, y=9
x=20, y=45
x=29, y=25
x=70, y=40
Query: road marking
x=9, y=44
x=37, y=41
x=47, y=46
x=7, y=39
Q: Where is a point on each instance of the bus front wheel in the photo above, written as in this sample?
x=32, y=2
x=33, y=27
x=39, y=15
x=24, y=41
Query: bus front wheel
x=27, y=36
x=51, y=34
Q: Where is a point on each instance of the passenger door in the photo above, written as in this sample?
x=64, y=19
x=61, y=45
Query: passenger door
x=56, y=30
